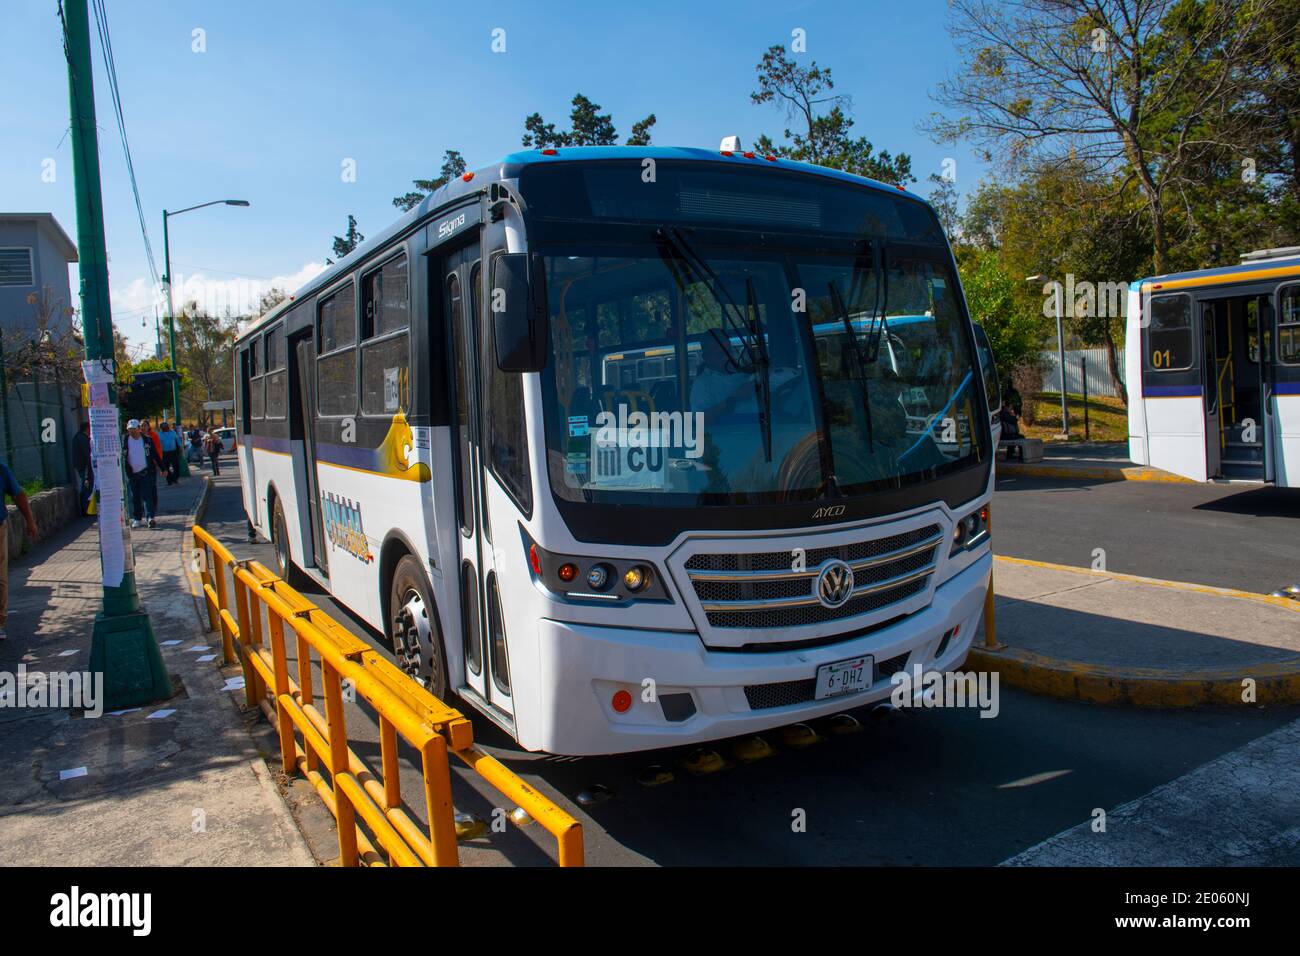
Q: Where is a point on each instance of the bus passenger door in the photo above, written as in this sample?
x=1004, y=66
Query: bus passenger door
x=460, y=278
x=244, y=443
x=302, y=399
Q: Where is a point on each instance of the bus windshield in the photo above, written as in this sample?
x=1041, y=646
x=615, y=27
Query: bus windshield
x=692, y=370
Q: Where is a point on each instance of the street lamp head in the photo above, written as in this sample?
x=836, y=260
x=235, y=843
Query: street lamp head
x=1036, y=278
x=236, y=202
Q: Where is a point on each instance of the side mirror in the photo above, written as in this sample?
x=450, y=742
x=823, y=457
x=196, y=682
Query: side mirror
x=518, y=315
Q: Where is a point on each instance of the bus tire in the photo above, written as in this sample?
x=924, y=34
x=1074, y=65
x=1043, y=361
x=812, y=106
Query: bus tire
x=284, y=566
x=413, y=627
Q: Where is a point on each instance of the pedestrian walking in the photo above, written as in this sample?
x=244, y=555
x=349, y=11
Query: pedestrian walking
x=170, y=440
x=9, y=486
x=213, y=448
x=142, y=464
x=82, y=464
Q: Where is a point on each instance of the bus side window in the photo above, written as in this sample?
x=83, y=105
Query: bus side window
x=336, y=363
x=1288, y=327
x=276, y=378
x=257, y=394
x=385, y=349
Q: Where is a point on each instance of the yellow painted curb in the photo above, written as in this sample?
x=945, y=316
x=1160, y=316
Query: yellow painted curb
x=1275, y=684
x=1091, y=473
x=1285, y=603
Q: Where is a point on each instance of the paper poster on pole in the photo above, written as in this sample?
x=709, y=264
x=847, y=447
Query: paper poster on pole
x=97, y=372
x=106, y=448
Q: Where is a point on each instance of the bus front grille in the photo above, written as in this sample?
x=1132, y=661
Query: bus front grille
x=764, y=590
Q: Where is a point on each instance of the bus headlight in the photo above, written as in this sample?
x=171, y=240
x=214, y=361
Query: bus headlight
x=579, y=577
x=970, y=531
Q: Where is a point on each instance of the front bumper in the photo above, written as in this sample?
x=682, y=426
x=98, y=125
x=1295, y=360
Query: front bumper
x=582, y=666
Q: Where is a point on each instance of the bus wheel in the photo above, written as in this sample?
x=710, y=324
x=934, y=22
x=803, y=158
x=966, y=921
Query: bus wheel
x=284, y=566
x=417, y=640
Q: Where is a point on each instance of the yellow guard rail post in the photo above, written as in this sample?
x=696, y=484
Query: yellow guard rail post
x=374, y=828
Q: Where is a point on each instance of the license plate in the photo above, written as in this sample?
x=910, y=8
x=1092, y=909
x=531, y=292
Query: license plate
x=844, y=677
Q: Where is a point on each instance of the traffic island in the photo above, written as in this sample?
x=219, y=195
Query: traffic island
x=1086, y=461
x=1125, y=640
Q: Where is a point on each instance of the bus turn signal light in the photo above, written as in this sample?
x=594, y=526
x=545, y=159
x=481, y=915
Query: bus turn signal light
x=567, y=572
x=621, y=701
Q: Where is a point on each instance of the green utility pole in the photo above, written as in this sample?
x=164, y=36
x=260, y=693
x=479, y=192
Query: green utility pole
x=171, y=339
x=123, y=647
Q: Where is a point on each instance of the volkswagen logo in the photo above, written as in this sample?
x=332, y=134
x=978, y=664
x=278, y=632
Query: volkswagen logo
x=834, y=583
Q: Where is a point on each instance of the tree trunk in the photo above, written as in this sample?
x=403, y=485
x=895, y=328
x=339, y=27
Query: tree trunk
x=1112, y=365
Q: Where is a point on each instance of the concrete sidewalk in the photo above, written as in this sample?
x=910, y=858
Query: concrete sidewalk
x=179, y=782
x=1090, y=461
x=1121, y=639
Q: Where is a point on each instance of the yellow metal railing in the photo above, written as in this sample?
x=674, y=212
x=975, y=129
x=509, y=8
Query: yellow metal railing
x=374, y=828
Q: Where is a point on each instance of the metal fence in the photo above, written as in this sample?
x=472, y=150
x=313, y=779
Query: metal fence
x=38, y=419
x=294, y=655
x=1099, y=380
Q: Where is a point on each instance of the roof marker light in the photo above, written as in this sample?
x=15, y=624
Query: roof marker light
x=749, y=155
x=770, y=158
x=727, y=152
x=550, y=152
x=467, y=177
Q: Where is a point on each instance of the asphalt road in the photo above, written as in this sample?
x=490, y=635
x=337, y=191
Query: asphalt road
x=1237, y=536
x=933, y=787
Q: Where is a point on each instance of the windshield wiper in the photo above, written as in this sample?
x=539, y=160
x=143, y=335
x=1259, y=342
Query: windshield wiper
x=762, y=374
x=859, y=360
x=726, y=303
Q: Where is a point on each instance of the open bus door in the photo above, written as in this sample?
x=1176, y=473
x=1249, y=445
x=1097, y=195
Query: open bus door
x=244, y=442
x=302, y=404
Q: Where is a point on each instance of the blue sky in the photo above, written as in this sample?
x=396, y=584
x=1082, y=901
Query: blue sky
x=287, y=90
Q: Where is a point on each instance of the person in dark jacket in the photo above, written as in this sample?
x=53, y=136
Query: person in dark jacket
x=82, y=465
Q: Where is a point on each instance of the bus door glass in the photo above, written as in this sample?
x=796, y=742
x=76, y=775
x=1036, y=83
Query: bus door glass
x=461, y=274
x=1285, y=388
x=303, y=402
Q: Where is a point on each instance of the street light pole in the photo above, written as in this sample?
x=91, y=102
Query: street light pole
x=171, y=310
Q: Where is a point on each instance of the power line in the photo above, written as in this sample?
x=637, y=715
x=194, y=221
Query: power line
x=110, y=67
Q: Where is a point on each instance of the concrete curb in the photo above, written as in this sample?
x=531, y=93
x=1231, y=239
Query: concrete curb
x=1276, y=683
x=1091, y=472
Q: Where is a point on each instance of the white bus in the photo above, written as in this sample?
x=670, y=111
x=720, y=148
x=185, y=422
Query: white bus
x=1213, y=366
x=476, y=432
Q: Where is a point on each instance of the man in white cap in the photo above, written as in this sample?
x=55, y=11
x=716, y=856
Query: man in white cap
x=142, y=464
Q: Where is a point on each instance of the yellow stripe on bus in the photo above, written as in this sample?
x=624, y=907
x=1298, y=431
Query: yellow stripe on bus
x=1281, y=272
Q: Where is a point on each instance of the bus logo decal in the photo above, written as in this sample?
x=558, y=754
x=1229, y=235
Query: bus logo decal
x=834, y=583
x=830, y=511
x=343, y=528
